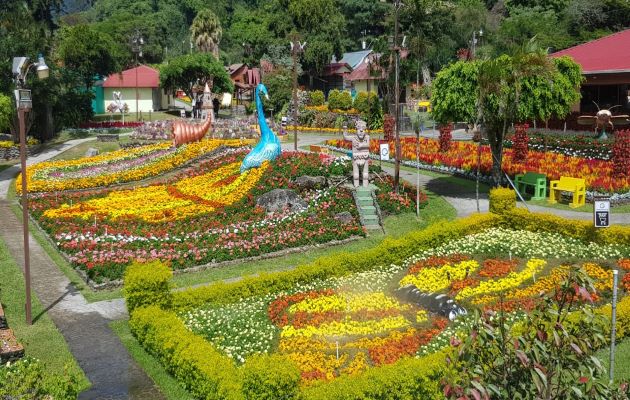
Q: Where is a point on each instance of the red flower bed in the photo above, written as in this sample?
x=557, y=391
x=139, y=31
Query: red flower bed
x=497, y=268
x=109, y=124
x=463, y=156
x=445, y=137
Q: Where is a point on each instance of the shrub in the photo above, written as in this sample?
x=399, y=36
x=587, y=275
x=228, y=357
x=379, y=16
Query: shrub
x=518, y=218
x=389, y=125
x=445, y=137
x=371, y=110
x=147, y=284
x=194, y=362
x=317, y=98
x=339, y=100
x=502, y=200
x=623, y=316
x=6, y=113
x=548, y=356
x=407, y=379
x=270, y=378
x=26, y=379
x=520, y=148
x=621, y=154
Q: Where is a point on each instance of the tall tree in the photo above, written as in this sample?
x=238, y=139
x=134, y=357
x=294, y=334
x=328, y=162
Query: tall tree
x=206, y=32
x=87, y=52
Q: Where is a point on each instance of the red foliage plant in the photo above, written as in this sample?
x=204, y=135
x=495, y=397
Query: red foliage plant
x=621, y=154
x=389, y=125
x=519, y=147
x=445, y=136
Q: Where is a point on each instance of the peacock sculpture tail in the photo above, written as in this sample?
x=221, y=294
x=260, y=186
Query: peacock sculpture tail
x=183, y=132
x=268, y=149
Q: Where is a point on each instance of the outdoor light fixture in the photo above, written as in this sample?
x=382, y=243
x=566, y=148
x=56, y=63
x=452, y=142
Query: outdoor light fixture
x=24, y=103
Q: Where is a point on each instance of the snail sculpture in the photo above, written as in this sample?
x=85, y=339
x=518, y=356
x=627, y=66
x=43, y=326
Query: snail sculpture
x=183, y=132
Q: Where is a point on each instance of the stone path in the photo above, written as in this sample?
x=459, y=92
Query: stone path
x=99, y=352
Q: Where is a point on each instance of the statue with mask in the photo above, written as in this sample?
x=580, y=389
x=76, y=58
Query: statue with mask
x=360, y=152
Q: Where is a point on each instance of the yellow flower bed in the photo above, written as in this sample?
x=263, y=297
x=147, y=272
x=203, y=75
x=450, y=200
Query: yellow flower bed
x=40, y=181
x=603, y=281
x=511, y=281
x=157, y=203
x=347, y=327
x=348, y=302
x=431, y=280
x=315, y=361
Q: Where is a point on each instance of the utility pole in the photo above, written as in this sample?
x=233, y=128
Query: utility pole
x=296, y=49
x=136, y=47
x=397, y=6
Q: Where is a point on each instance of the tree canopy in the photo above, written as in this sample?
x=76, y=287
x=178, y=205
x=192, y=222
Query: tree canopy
x=190, y=70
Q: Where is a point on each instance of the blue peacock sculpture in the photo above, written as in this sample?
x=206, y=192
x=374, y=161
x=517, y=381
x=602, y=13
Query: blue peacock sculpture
x=269, y=146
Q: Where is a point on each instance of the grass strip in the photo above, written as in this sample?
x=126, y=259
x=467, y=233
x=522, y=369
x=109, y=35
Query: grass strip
x=41, y=340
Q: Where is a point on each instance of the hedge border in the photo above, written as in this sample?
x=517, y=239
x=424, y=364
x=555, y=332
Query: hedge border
x=163, y=333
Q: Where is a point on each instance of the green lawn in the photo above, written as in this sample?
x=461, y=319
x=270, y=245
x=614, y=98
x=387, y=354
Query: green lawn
x=167, y=384
x=622, y=360
x=41, y=340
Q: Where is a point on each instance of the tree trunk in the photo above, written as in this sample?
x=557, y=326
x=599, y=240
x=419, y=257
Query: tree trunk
x=495, y=137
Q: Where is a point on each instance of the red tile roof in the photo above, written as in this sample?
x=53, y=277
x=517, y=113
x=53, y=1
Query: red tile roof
x=147, y=77
x=361, y=73
x=605, y=55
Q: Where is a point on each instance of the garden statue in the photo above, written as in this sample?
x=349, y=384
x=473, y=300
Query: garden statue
x=360, y=152
x=269, y=146
x=183, y=132
x=603, y=120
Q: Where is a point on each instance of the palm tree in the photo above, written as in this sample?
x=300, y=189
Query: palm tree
x=206, y=32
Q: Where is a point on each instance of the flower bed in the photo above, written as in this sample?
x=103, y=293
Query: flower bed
x=110, y=124
x=462, y=157
x=576, y=145
x=120, y=166
x=203, y=215
x=337, y=328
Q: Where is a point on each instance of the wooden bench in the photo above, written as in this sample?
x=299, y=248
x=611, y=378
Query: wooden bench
x=576, y=186
x=537, y=181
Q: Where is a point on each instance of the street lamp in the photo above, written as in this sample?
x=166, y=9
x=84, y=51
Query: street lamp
x=137, y=41
x=24, y=102
x=474, y=41
x=297, y=47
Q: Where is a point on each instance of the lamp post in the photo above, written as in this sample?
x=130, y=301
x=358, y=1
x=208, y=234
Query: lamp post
x=297, y=48
x=398, y=4
x=136, y=48
x=21, y=68
x=473, y=42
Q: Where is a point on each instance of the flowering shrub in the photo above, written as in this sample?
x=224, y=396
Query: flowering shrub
x=110, y=124
x=502, y=200
x=389, y=125
x=621, y=154
x=462, y=157
x=445, y=137
x=519, y=147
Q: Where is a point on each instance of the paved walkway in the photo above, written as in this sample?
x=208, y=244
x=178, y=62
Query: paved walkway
x=99, y=352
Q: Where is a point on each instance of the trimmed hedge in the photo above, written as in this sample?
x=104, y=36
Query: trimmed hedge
x=147, y=284
x=193, y=361
x=408, y=379
x=270, y=377
x=502, y=200
x=390, y=251
x=519, y=218
x=623, y=316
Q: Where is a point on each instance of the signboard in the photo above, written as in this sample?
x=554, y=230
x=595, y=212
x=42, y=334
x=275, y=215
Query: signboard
x=602, y=213
x=384, y=151
x=182, y=113
x=23, y=99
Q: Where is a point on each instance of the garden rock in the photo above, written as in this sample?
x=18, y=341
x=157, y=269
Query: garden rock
x=91, y=152
x=344, y=217
x=279, y=199
x=310, y=182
